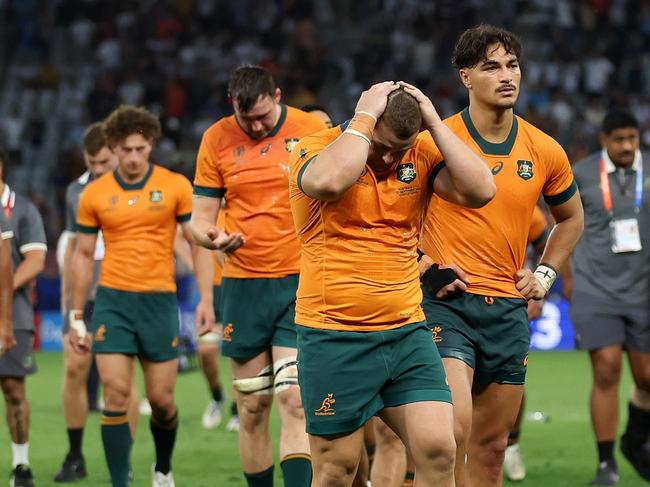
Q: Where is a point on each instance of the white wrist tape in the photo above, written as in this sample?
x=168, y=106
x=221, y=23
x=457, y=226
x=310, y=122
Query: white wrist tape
x=367, y=113
x=357, y=134
x=76, y=317
x=546, y=275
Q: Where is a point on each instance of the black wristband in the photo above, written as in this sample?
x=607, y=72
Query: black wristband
x=434, y=279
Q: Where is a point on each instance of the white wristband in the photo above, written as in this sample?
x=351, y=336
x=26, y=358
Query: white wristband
x=356, y=133
x=546, y=276
x=367, y=113
x=77, y=323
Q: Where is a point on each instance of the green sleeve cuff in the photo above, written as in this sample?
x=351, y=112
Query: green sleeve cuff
x=563, y=197
x=542, y=238
x=84, y=229
x=302, y=171
x=209, y=192
x=184, y=218
x=435, y=171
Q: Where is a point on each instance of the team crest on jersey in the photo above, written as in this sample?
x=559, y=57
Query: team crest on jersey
x=155, y=196
x=406, y=172
x=525, y=169
x=289, y=144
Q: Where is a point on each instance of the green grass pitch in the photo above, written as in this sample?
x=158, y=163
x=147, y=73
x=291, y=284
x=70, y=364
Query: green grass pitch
x=560, y=452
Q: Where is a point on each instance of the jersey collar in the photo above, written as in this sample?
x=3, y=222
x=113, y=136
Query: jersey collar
x=490, y=148
x=139, y=185
x=278, y=125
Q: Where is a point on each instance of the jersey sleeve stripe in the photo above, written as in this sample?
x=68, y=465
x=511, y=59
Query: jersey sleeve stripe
x=563, y=197
x=84, y=229
x=28, y=247
x=209, y=192
x=435, y=171
x=302, y=171
x=183, y=218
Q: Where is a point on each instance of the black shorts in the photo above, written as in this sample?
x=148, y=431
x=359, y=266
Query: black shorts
x=19, y=361
x=599, y=324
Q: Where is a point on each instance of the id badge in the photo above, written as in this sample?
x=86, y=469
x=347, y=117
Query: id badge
x=625, y=235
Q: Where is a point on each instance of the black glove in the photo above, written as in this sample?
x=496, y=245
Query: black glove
x=434, y=279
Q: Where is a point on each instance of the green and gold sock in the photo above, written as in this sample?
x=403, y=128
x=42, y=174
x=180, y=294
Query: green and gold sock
x=116, y=437
x=296, y=470
x=164, y=438
x=260, y=479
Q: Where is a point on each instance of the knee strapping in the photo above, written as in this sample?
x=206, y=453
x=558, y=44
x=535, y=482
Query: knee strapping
x=260, y=384
x=285, y=373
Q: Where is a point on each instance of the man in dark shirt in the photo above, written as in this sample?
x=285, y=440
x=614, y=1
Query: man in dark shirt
x=611, y=288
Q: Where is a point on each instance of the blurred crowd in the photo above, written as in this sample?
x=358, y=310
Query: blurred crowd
x=174, y=57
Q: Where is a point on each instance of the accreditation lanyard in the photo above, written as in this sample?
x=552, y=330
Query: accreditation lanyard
x=8, y=201
x=607, y=191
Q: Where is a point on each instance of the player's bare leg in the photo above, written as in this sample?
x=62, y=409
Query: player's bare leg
x=514, y=468
x=460, y=377
x=389, y=466
x=335, y=459
x=74, y=397
x=116, y=374
x=427, y=430
x=635, y=442
x=370, y=440
x=209, y=360
x=363, y=470
x=254, y=440
x=494, y=413
x=603, y=404
x=17, y=412
x=160, y=382
x=73, y=393
x=294, y=442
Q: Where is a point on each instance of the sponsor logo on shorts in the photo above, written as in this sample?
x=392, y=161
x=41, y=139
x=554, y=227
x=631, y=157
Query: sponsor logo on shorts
x=526, y=361
x=175, y=342
x=406, y=172
x=525, y=169
x=28, y=361
x=435, y=332
x=155, y=196
x=100, y=334
x=227, y=331
x=326, y=408
x=289, y=144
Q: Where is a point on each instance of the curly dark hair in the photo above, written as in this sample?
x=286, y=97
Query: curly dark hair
x=129, y=120
x=471, y=46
